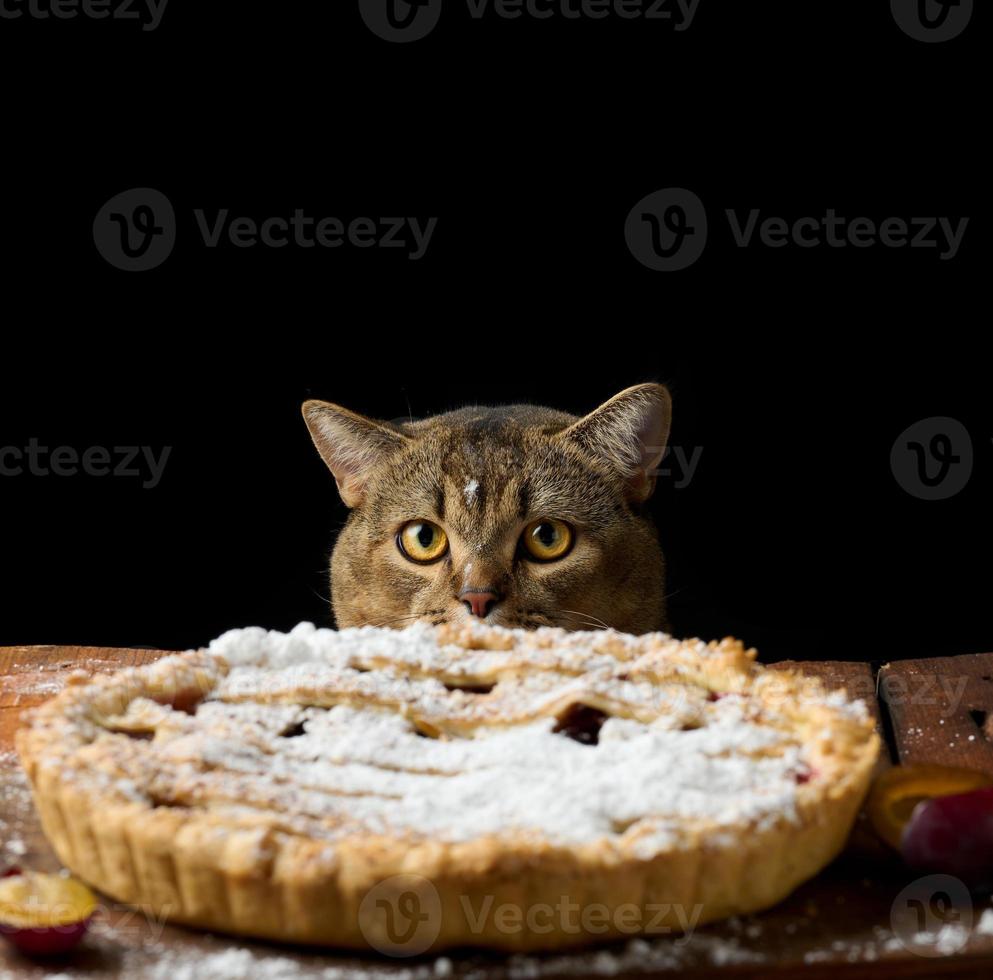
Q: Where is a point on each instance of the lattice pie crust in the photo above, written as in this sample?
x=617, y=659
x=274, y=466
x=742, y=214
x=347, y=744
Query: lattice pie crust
x=318, y=786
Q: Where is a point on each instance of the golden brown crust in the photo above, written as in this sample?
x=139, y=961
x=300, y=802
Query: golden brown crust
x=263, y=872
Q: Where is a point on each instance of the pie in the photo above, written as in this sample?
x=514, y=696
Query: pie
x=448, y=786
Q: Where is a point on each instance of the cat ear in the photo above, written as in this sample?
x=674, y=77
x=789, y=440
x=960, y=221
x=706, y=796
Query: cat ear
x=629, y=432
x=350, y=444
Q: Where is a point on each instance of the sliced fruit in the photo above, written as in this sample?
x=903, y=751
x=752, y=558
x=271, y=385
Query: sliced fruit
x=43, y=913
x=953, y=835
x=897, y=792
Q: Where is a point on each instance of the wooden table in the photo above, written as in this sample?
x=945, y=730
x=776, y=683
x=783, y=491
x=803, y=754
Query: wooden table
x=857, y=919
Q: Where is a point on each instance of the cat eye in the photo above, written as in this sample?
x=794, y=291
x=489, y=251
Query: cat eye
x=547, y=540
x=422, y=541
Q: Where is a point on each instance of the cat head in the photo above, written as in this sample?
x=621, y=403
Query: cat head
x=519, y=515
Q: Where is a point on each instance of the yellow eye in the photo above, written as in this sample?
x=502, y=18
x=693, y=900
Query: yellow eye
x=547, y=539
x=422, y=541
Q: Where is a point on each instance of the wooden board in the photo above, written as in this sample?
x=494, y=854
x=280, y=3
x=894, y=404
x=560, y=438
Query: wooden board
x=941, y=710
x=840, y=925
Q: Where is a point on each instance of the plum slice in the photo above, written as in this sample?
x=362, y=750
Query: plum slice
x=898, y=791
x=953, y=835
x=44, y=914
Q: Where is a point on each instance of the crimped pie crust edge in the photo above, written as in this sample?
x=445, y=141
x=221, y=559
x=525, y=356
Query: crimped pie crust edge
x=174, y=863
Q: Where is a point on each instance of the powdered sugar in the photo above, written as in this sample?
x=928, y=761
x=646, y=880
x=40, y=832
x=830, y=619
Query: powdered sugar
x=984, y=927
x=636, y=956
x=670, y=754
x=15, y=796
x=417, y=649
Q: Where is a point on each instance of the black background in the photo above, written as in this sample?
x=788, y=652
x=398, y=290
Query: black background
x=794, y=370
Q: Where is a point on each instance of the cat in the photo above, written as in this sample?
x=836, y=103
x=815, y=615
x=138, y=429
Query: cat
x=518, y=515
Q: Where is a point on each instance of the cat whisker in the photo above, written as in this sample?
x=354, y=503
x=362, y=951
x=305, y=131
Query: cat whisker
x=402, y=619
x=391, y=622
x=588, y=617
x=532, y=618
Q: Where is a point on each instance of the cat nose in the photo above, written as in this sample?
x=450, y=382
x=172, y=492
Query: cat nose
x=479, y=602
